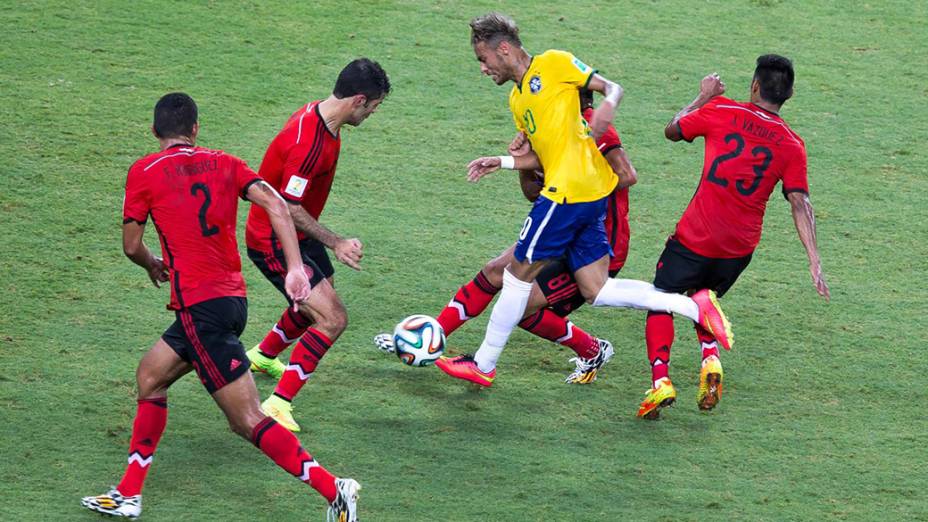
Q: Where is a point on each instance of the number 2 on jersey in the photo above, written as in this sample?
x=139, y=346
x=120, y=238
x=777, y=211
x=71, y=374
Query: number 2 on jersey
x=205, y=229
x=734, y=153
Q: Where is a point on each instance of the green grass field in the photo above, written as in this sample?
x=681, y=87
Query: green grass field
x=823, y=414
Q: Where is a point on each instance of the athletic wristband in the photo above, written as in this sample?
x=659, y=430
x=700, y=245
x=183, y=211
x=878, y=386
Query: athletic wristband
x=507, y=162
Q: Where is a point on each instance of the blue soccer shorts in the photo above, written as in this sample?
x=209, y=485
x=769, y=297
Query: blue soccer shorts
x=574, y=230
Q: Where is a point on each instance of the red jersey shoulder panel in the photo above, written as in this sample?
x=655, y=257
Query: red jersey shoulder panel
x=300, y=164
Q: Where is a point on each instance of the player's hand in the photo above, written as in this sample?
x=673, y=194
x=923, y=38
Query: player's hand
x=520, y=145
x=818, y=278
x=297, y=285
x=158, y=272
x=711, y=86
x=480, y=167
x=349, y=252
x=602, y=118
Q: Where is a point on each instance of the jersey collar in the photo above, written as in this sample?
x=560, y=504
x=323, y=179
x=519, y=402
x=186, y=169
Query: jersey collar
x=765, y=110
x=324, y=126
x=527, y=69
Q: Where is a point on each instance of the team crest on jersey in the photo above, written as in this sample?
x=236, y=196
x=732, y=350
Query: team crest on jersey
x=296, y=186
x=584, y=68
x=534, y=84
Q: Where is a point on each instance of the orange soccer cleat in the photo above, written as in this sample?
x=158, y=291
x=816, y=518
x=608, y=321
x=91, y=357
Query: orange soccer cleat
x=660, y=396
x=464, y=367
x=713, y=319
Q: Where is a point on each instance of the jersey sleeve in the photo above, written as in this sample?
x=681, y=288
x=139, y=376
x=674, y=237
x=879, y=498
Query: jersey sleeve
x=297, y=169
x=795, y=176
x=698, y=122
x=567, y=68
x=137, y=202
x=244, y=176
x=609, y=141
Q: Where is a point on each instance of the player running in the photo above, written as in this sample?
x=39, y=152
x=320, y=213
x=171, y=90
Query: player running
x=554, y=293
x=566, y=219
x=300, y=164
x=749, y=149
x=191, y=194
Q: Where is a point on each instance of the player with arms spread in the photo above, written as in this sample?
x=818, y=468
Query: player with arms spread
x=191, y=194
x=748, y=150
x=554, y=293
x=566, y=220
x=300, y=164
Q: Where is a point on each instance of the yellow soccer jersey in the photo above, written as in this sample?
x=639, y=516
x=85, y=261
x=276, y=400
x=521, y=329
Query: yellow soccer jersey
x=546, y=107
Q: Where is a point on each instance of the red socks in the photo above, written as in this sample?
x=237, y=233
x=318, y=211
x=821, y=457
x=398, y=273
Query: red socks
x=312, y=347
x=150, y=419
x=469, y=302
x=288, y=329
x=658, y=334
x=707, y=342
x=283, y=448
x=548, y=325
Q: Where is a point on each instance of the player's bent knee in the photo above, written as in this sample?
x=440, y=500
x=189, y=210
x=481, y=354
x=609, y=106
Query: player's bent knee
x=150, y=384
x=493, y=271
x=335, y=323
x=243, y=423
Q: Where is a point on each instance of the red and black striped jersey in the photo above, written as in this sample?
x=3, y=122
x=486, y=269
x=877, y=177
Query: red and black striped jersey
x=300, y=164
x=748, y=150
x=191, y=194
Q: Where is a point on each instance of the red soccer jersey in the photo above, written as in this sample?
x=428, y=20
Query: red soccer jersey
x=748, y=151
x=191, y=194
x=617, y=209
x=300, y=164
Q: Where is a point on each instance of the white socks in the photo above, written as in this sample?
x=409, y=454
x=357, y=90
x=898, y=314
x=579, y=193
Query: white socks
x=628, y=293
x=507, y=312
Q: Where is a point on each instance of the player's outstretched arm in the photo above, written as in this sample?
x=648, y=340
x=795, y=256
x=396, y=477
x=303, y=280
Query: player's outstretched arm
x=264, y=196
x=347, y=250
x=804, y=217
x=136, y=250
x=605, y=113
x=710, y=87
x=480, y=167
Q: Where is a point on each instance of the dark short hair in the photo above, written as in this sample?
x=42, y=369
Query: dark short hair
x=586, y=98
x=493, y=28
x=774, y=74
x=362, y=76
x=175, y=116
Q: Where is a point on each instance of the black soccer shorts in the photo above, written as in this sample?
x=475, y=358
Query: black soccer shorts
x=681, y=270
x=274, y=265
x=559, y=287
x=206, y=335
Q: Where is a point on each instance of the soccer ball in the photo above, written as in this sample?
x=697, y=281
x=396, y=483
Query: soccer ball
x=419, y=340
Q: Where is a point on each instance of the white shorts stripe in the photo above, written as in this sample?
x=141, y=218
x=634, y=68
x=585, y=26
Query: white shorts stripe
x=541, y=228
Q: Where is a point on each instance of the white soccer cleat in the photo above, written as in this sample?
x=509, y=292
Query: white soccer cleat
x=586, y=369
x=384, y=342
x=114, y=504
x=345, y=506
